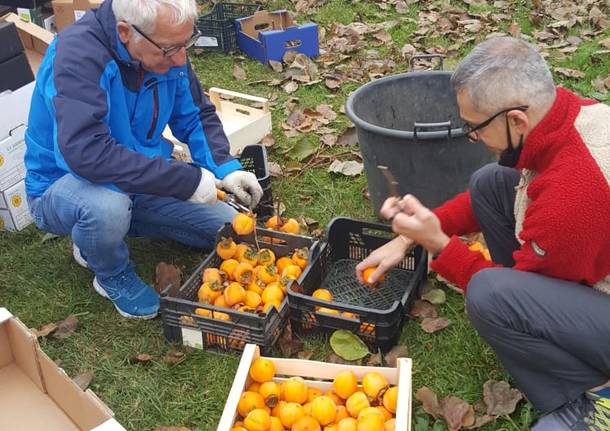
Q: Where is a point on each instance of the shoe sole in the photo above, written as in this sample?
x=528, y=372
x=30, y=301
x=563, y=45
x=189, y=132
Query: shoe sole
x=100, y=290
x=78, y=258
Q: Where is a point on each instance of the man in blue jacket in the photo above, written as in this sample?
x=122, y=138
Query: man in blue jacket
x=98, y=168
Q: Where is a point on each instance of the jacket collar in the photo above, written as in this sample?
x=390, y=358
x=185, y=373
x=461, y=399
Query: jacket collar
x=549, y=136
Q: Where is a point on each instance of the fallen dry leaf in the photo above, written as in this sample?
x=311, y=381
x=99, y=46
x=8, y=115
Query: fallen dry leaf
x=277, y=66
x=570, y=73
x=326, y=111
x=290, y=87
x=239, y=73
x=456, y=412
x=432, y=325
x=66, y=328
x=423, y=309
x=46, y=330
x=304, y=356
x=83, y=380
x=407, y=51
x=142, y=358
x=275, y=170
x=268, y=140
x=398, y=351
x=289, y=343
x=605, y=43
x=174, y=357
x=167, y=276
x=349, y=137
x=349, y=168
x=331, y=140
x=500, y=398
x=429, y=401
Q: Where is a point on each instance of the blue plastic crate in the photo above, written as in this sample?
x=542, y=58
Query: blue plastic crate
x=268, y=36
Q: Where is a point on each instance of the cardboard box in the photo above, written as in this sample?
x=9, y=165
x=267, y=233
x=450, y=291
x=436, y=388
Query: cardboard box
x=35, y=39
x=12, y=151
x=269, y=35
x=38, y=395
x=14, y=210
x=15, y=108
x=319, y=375
x=68, y=11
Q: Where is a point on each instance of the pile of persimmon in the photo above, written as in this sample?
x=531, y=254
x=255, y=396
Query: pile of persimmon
x=281, y=224
x=247, y=279
x=272, y=405
x=326, y=295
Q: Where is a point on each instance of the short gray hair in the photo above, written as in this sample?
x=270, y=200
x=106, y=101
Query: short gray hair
x=502, y=72
x=144, y=13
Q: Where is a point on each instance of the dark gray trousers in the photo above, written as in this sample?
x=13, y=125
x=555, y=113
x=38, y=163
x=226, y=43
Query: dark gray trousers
x=551, y=335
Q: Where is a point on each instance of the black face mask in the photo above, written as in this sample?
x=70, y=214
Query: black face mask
x=510, y=156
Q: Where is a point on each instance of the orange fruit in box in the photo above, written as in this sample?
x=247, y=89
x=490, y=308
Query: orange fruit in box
x=323, y=294
x=271, y=293
x=212, y=274
x=266, y=256
x=269, y=305
x=390, y=399
x=290, y=413
x=387, y=415
x=341, y=413
x=249, y=401
x=252, y=299
x=295, y=390
x=226, y=248
x=270, y=392
x=347, y=424
x=324, y=410
x=371, y=411
x=345, y=384
x=374, y=384
x=290, y=226
x=306, y=423
x=371, y=422
x=258, y=420
x=267, y=273
x=282, y=263
x=390, y=425
x=276, y=424
x=272, y=222
x=313, y=393
x=234, y=294
x=228, y=266
x=243, y=224
x=336, y=398
x=357, y=402
x=220, y=302
x=244, y=273
x=256, y=286
x=291, y=272
x=250, y=256
x=300, y=257
x=262, y=370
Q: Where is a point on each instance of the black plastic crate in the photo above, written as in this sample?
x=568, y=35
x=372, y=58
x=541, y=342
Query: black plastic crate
x=254, y=159
x=182, y=325
x=219, y=25
x=379, y=312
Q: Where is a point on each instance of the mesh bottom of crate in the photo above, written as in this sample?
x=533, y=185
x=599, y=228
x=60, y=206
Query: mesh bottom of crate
x=342, y=282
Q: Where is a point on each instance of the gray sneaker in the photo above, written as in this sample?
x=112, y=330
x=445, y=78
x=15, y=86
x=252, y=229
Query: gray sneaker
x=78, y=257
x=589, y=412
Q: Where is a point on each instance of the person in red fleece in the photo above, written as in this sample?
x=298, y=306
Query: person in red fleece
x=543, y=303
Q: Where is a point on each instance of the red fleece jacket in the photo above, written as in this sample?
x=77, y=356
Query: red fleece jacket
x=568, y=214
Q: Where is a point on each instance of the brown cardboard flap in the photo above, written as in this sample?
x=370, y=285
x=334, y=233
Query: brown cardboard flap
x=266, y=21
x=6, y=353
x=64, y=13
x=23, y=407
x=86, y=411
x=25, y=348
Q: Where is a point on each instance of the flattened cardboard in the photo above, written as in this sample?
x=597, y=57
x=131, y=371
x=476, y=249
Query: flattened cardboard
x=14, y=109
x=36, y=394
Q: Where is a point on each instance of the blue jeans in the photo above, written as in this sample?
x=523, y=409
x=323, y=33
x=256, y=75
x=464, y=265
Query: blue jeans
x=98, y=219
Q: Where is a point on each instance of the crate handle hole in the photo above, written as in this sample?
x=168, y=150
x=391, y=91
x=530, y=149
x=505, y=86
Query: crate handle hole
x=259, y=27
x=242, y=111
x=293, y=43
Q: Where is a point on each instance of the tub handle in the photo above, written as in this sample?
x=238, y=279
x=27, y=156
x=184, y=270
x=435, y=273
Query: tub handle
x=441, y=59
x=428, y=127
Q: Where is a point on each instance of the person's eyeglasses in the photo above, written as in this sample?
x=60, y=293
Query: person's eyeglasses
x=168, y=51
x=469, y=129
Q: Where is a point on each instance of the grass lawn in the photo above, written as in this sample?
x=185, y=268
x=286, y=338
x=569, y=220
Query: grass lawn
x=40, y=283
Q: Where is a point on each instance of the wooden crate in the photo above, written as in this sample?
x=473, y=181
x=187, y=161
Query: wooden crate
x=320, y=375
x=244, y=125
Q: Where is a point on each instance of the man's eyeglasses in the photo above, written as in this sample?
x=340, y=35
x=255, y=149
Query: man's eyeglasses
x=168, y=51
x=469, y=129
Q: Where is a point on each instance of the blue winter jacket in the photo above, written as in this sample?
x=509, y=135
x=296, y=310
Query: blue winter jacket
x=96, y=114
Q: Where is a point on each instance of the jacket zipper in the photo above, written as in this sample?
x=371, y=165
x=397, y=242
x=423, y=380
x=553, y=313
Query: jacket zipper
x=155, y=118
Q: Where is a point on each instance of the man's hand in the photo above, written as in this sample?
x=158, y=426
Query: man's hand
x=413, y=220
x=384, y=258
x=206, y=191
x=244, y=186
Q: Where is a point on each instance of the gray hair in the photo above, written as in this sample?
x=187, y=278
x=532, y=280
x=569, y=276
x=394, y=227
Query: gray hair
x=144, y=13
x=503, y=72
